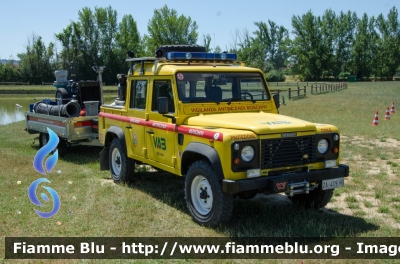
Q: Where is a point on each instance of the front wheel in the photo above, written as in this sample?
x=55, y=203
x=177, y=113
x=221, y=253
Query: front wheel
x=121, y=166
x=206, y=202
x=316, y=199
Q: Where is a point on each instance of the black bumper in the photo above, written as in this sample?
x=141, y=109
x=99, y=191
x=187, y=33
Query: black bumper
x=271, y=183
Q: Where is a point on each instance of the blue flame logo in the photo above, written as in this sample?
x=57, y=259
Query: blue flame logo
x=50, y=147
x=32, y=196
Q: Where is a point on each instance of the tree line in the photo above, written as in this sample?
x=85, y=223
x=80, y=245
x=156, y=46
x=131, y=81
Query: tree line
x=319, y=47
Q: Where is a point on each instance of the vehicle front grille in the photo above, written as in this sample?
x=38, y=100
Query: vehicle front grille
x=284, y=152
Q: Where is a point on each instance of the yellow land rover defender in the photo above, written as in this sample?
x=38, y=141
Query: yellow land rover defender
x=212, y=120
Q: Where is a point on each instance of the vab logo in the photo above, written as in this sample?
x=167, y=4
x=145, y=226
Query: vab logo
x=32, y=196
x=49, y=148
x=160, y=143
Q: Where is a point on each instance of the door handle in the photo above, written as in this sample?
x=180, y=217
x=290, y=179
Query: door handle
x=150, y=131
x=128, y=127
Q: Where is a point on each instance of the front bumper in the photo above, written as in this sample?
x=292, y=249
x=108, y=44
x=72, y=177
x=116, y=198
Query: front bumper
x=270, y=183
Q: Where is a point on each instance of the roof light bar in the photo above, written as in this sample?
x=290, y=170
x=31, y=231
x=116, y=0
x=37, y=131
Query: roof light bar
x=200, y=56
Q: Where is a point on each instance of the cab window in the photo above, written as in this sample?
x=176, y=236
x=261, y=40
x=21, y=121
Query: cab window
x=163, y=89
x=138, y=94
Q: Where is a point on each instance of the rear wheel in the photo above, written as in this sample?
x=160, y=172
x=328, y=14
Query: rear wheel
x=316, y=199
x=121, y=166
x=43, y=139
x=62, y=147
x=206, y=202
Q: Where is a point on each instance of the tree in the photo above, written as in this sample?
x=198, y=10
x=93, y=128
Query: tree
x=167, y=28
x=249, y=51
x=98, y=39
x=207, y=42
x=128, y=38
x=272, y=40
x=9, y=72
x=364, y=47
x=37, y=64
x=390, y=48
x=307, y=48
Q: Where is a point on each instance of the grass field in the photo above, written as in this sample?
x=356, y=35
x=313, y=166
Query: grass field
x=92, y=205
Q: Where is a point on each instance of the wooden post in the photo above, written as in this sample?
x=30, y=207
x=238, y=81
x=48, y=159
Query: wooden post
x=290, y=93
x=305, y=91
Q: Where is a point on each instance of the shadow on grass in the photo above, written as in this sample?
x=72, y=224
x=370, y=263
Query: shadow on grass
x=79, y=154
x=262, y=216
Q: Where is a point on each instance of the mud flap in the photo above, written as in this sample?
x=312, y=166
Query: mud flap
x=104, y=161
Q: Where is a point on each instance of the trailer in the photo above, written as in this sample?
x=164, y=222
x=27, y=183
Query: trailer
x=72, y=115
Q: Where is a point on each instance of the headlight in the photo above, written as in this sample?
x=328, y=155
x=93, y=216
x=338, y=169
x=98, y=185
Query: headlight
x=248, y=153
x=322, y=146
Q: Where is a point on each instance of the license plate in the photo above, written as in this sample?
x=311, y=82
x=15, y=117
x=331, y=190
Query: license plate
x=332, y=183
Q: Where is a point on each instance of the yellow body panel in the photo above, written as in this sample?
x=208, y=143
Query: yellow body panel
x=152, y=138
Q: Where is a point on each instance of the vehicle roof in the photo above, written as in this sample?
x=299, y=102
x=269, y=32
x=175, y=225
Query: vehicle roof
x=170, y=68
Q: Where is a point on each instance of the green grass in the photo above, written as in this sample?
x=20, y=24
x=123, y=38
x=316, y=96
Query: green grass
x=154, y=205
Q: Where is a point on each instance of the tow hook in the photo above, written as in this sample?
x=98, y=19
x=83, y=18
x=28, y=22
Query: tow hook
x=298, y=188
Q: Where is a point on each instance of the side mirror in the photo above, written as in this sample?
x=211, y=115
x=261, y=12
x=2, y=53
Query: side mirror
x=163, y=105
x=276, y=100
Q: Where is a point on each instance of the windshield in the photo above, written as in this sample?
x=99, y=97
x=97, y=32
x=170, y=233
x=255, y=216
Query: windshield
x=221, y=87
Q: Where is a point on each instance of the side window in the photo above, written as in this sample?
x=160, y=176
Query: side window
x=163, y=89
x=138, y=94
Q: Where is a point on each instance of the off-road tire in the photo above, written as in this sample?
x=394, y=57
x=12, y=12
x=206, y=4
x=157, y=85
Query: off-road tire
x=121, y=166
x=43, y=139
x=181, y=48
x=62, y=95
x=199, y=180
x=316, y=199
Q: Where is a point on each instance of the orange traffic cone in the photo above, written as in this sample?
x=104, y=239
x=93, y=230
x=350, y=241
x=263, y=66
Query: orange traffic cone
x=375, y=122
x=387, y=115
x=392, y=110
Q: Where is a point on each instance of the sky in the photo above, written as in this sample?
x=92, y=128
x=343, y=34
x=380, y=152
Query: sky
x=19, y=19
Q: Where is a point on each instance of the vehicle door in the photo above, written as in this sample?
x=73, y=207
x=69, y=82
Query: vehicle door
x=137, y=116
x=160, y=130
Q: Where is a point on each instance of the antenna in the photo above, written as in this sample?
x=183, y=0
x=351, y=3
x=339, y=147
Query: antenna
x=214, y=50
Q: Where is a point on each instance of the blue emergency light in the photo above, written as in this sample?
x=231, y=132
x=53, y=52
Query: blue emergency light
x=200, y=56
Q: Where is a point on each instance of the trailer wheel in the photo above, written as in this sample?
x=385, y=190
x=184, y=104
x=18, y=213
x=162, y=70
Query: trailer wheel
x=316, y=199
x=62, y=147
x=62, y=96
x=43, y=139
x=121, y=166
x=207, y=204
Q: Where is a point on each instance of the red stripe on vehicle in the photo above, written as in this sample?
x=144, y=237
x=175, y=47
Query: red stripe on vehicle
x=166, y=126
x=50, y=122
x=201, y=133
x=127, y=119
x=161, y=125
